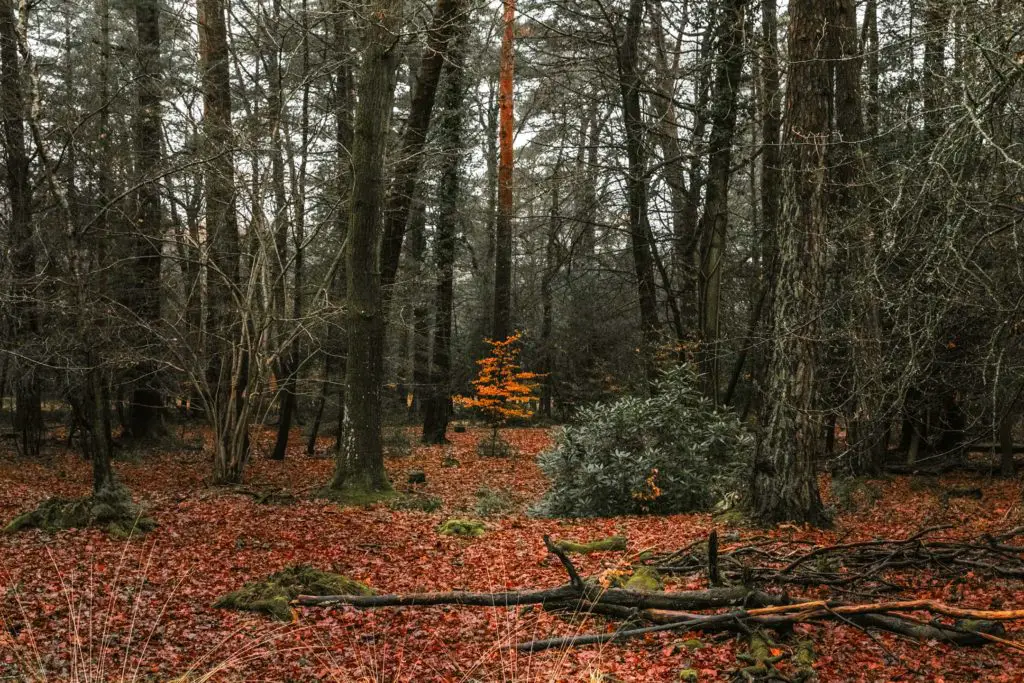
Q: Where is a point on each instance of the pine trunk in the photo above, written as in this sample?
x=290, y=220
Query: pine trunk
x=785, y=485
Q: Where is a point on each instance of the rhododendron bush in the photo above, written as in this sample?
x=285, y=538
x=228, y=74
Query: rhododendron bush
x=671, y=452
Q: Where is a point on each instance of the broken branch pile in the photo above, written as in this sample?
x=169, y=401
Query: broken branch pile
x=747, y=609
x=860, y=566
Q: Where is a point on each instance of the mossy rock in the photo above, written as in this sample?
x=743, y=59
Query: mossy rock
x=688, y=675
x=645, y=579
x=417, y=477
x=111, y=509
x=467, y=528
x=273, y=595
x=693, y=644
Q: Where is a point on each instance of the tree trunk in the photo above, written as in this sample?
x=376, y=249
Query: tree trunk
x=227, y=370
x=551, y=268
x=336, y=350
x=636, y=182
x=506, y=208
x=414, y=137
x=785, y=485
x=285, y=369
x=28, y=413
x=360, y=457
x=1007, y=467
x=438, y=408
x=715, y=221
x=145, y=414
x=933, y=78
x=420, y=310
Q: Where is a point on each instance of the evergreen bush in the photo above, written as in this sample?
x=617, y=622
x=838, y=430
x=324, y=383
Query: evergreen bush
x=672, y=452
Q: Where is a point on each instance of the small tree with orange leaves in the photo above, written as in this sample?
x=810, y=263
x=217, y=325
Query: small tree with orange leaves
x=501, y=390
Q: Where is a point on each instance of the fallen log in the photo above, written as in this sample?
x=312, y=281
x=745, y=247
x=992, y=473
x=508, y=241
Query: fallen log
x=714, y=598
x=750, y=609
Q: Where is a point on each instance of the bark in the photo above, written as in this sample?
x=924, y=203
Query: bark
x=420, y=309
x=438, y=409
x=145, y=415
x=414, y=137
x=1007, y=465
x=282, y=227
x=360, y=458
x=227, y=369
x=684, y=232
x=336, y=351
x=630, y=82
x=506, y=209
x=785, y=486
x=552, y=266
x=715, y=221
x=933, y=78
x=28, y=415
x=867, y=428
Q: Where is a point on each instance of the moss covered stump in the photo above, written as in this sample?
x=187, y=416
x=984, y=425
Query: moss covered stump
x=274, y=594
x=110, y=509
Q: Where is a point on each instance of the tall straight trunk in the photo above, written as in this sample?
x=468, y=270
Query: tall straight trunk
x=28, y=414
x=282, y=228
x=336, y=350
x=785, y=485
x=437, y=410
x=869, y=43
x=225, y=339
x=867, y=431
x=414, y=138
x=145, y=417
x=489, y=123
x=420, y=308
x=771, y=155
x=360, y=459
x=715, y=220
x=684, y=233
x=504, y=225
x=636, y=182
x=933, y=78
x=551, y=269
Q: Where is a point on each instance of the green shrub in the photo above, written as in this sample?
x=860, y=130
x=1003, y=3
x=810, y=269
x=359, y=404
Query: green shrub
x=672, y=452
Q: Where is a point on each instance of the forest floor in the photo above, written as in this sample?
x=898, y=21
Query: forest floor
x=78, y=605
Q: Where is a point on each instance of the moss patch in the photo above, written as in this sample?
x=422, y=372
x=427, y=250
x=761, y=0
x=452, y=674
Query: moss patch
x=468, y=528
x=599, y=546
x=111, y=509
x=645, y=579
x=274, y=594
